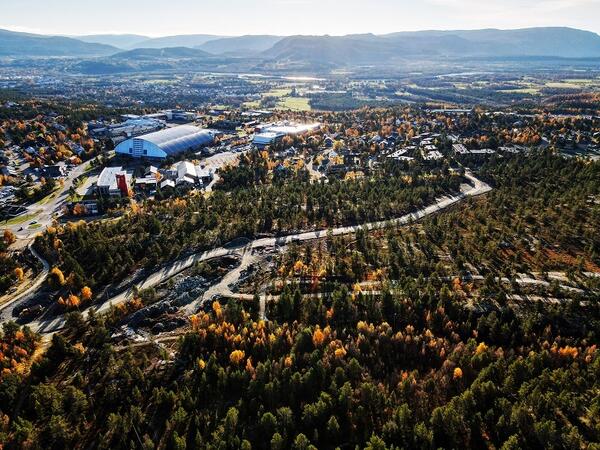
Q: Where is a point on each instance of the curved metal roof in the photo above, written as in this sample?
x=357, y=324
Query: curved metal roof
x=178, y=139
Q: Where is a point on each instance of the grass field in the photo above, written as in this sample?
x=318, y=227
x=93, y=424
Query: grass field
x=19, y=219
x=75, y=198
x=524, y=90
x=281, y=92
x=284, y=100
x=563, y=85
x=49, y=197
x=252, y=105
x=294, y=103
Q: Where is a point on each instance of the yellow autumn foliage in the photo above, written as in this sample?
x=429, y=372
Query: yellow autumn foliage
x=340, y=352
x=57, y=276
x=458, y=373
x=237, y=356
x=481, y=348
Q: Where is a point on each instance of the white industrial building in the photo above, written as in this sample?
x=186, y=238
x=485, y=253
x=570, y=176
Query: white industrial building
x=108, y=182
x=261, y=140
x=131, y=127
x=287, y=128
x=433, y=155
x=165, y=143
x=270, y=133
x=188, y=173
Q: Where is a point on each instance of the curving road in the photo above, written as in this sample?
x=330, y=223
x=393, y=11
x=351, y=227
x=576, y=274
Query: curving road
x=44, y=214
x=477, y=187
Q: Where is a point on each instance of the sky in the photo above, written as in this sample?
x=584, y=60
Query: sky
x=289, y=17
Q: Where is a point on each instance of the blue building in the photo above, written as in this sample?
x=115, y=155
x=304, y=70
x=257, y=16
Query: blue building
x=165, y=143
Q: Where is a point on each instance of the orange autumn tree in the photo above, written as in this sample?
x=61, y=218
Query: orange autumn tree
x=86, y=293
x=216, y=306
x=318, y=337
x=79, y=210
x=9, y=237
x=18, y=273
x=195, y=321
x=73, y=301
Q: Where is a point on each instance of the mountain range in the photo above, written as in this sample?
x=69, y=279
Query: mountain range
x=240, y=46
x=372, y=49
x=324, y=51
x=33, y=45
x=122, y=41
x=161, y=53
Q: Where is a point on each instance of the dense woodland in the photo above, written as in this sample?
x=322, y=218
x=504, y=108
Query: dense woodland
x=429, y=362
x=164, y=230
x=414, y=367
x=542, y=216
x=405, y=370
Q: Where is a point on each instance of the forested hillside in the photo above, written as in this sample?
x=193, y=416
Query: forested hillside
x=426, y=363
x=164, y=230
x=414, y=370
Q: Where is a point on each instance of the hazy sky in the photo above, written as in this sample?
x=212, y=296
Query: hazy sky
x=287, y=17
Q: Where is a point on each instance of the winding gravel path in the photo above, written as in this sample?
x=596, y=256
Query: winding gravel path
x=477, y=187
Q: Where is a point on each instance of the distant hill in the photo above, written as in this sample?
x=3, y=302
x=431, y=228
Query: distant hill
x=161, y=53
x=240, y=46
x=545, y=41
x=123, y=41
x=331, y=50
x=302, y=53
x=369, y=49
x=13, y=43
x=184, y=40
x=103, y=67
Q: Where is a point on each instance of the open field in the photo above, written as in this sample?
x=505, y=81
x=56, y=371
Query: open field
x=19, y=219
x=282, y=92
x=294, y=103
x=563, y=85
x=48, y=197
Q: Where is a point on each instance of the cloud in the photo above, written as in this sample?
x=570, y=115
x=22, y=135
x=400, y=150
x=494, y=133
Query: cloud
x=21, y=29
x=521, y=5
x=284, y=17
x=556, y=5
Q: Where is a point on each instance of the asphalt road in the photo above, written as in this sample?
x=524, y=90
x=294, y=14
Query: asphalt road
x=44, y=214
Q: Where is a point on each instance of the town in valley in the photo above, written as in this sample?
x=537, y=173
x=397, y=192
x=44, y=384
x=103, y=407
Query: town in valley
x=370, y=241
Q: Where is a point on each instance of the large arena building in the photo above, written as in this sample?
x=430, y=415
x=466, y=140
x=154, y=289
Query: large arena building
x=270, y=133
x=165, y=143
